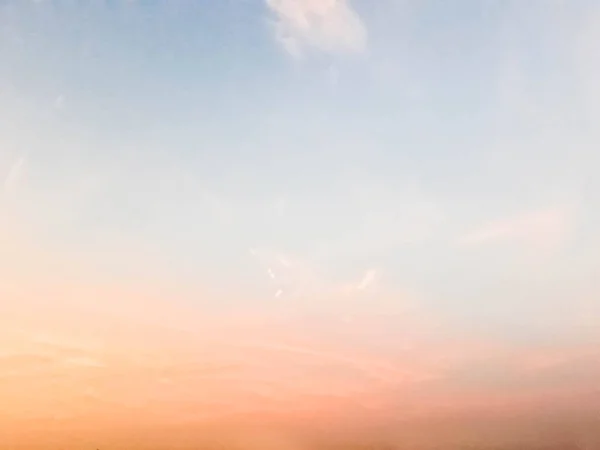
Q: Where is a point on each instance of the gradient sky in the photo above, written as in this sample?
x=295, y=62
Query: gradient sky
x=313, y=211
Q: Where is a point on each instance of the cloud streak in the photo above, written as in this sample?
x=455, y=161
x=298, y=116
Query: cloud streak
x=13, y=176
x=545, y=228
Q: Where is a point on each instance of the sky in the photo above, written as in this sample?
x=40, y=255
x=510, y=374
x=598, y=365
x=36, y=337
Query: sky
x=299, y=215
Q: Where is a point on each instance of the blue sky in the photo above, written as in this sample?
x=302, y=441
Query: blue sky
x=313, y=155
x=353, y=136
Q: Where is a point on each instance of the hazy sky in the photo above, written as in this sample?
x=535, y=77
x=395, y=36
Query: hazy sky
x=297, y=208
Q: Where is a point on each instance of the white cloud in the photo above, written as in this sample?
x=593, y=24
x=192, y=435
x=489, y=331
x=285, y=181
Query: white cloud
x=330, y=26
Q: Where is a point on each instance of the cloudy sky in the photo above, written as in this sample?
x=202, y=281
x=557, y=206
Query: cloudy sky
x=311, y=211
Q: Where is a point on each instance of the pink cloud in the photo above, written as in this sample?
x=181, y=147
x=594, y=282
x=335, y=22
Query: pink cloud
x=547, y=228
x=331, y=26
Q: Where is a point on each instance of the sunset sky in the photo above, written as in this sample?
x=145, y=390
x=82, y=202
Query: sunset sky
x=301, y=215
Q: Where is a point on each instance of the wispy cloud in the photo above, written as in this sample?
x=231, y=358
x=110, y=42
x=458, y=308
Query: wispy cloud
x=544, y=228
x=288, y=276
x=292, y=278
x=330, y=26
x=367, y=280
x=13, y=176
